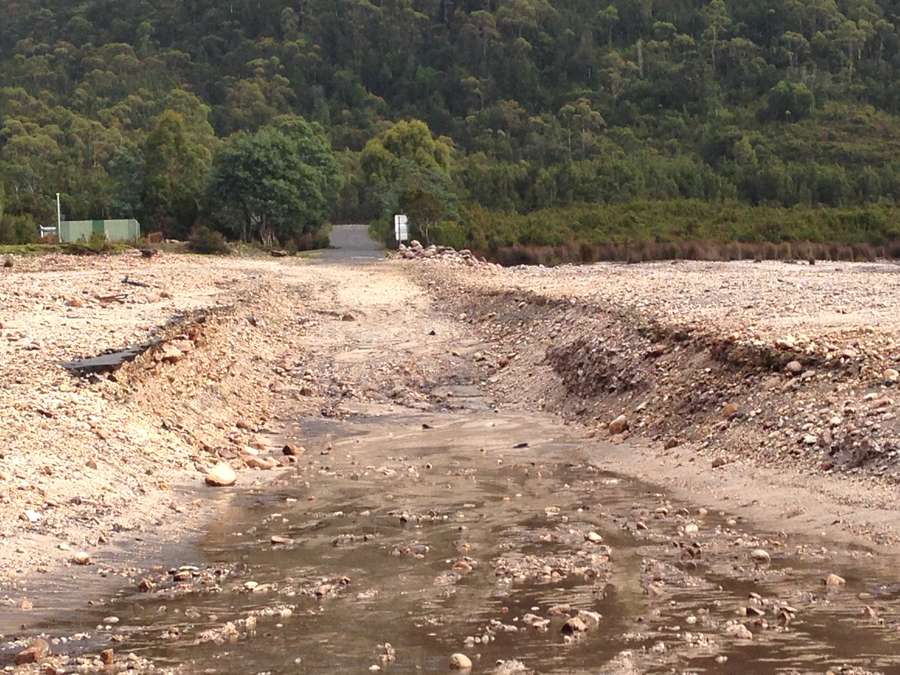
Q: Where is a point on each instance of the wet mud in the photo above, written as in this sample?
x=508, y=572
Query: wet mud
x=396, y=542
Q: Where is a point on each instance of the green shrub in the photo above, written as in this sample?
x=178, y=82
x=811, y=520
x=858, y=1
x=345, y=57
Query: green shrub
x=208, y=242
x=98, y=244
x=789, y=102
x=18, y=229
x=678, y=228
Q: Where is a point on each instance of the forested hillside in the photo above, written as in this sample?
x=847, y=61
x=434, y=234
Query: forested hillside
x=126, y=107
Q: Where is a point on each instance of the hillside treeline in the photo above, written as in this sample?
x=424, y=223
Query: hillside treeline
x=132, y=109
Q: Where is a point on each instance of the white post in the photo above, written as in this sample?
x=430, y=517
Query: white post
x=58, y=220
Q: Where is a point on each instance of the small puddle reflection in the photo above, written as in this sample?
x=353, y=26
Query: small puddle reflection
x=449, y=539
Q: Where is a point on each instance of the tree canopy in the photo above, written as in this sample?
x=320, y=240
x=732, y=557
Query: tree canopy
x=275, y=184
x=530, y=104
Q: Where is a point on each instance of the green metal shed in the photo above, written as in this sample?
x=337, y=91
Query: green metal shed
x=115, y=230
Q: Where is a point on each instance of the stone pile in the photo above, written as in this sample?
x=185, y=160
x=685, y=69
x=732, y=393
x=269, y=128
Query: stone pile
x=415, y=251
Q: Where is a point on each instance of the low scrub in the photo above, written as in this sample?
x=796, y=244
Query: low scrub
x=208, y=242
x=98, y=244
x=691, y=250
x=677, y=229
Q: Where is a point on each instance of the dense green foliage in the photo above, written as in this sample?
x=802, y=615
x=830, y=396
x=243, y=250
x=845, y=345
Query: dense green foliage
x=676, y=220
x=276, y=184
x=410, y=171
x=127, y=108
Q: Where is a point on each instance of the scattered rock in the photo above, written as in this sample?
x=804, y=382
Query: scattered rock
x=618, y=425
x=574, y=626
x=281, y=541
x=35, y=652
x=833, y=581
x=293, y=450
x=81, y=558
x=760, y=556
x=794, y=368
x=169, y=353
x=221, y=475
x=509, y=667
x=460, y=662
x=891, y=376
x=739, y=631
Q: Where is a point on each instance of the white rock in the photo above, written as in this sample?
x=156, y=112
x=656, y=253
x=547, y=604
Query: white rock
x=760, y=556
x=460, y=662
x=81, y=558
x=739, y=631
x=221, y=475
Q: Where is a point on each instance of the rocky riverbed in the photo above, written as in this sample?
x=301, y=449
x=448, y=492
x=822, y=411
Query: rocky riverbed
x=439, y=463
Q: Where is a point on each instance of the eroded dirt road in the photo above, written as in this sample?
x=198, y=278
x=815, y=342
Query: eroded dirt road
x=424, y=513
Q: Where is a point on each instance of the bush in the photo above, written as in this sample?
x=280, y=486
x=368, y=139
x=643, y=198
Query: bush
x=789, y=102
x=208, y=242
x=18, y=229
x=98, y=244
x=676, y=229
x=309, y=241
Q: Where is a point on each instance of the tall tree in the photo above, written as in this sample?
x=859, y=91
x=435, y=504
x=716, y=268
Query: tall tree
x=276, y=184
x=175, y=168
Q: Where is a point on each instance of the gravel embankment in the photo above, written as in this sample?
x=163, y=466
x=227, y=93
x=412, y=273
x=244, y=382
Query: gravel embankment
x=84, y=457
x=775, y=362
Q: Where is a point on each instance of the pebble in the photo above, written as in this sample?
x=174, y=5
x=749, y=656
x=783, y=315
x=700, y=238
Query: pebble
x=221, y=475
x=35, y=652
x=760, y=556
x=794, y=367
x=574, y=626
x=278, y=540
x=81, y=558
x=618, y=425
x=460, y=662
x=739, y=631
x=833, y=580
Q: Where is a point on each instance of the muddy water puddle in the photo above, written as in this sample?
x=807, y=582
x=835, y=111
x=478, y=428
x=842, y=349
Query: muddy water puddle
x=396, y=542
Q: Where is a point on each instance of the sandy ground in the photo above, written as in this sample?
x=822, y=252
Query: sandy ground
x=84, y=462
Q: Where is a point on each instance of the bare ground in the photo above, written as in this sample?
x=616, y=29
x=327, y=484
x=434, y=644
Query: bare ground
x=694, y=355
